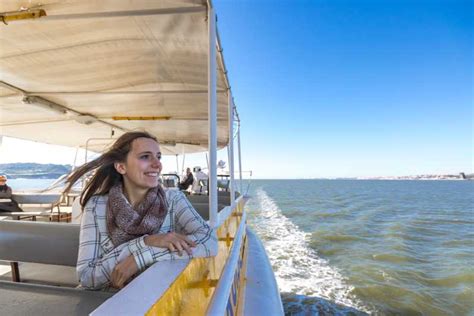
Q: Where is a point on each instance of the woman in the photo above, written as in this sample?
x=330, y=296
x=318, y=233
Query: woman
x=129, y=222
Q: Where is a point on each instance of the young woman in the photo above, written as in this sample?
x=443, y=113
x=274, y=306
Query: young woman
x=129, y=221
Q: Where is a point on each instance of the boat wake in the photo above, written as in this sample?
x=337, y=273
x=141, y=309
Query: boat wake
x=298, y=269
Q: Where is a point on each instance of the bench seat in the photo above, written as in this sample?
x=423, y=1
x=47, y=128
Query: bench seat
x=32, y=299
x=39, y=211
x=40, y=243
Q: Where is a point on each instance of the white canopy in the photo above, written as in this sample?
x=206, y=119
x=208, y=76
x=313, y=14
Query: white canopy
x=93, y=69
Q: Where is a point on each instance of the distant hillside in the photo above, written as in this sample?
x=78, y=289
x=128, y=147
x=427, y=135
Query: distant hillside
x=33, y=170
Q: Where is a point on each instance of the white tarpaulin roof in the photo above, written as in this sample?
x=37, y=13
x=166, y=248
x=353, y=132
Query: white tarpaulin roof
x=105, y=64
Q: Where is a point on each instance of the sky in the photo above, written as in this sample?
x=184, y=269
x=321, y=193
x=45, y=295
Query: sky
x=351, y=88
x=334, y=88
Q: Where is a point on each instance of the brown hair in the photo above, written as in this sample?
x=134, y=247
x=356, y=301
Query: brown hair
x=105, y=175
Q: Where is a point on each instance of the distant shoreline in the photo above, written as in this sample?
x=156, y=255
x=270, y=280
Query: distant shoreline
x=51, y=176
x=54, y=171
x=365, y=179
x=31, y=170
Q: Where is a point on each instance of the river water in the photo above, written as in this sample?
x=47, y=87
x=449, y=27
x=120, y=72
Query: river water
x=377, y=247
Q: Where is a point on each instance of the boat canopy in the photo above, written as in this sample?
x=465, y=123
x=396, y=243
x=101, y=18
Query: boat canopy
x=76, y=70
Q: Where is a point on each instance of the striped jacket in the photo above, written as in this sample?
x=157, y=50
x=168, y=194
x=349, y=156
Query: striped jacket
x=98, y=257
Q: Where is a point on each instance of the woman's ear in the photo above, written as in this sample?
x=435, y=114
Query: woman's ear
x=120, y=167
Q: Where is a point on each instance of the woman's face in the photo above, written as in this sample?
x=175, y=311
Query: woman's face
x=142, y=166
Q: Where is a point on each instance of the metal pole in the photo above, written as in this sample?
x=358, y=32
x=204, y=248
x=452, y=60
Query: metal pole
x=75, y=158
x=240, y=162
x=231, y=150
x=177, y=164
x=212, y=116
x=182, y=165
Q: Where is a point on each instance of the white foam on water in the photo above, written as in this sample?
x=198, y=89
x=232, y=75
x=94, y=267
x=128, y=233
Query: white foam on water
x=297, y=267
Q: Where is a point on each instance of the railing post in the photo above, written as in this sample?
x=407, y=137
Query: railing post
x=240, y=162
x=231, y=150
x=212, y=113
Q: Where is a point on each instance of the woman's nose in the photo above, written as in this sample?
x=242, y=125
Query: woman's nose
x=156, y=163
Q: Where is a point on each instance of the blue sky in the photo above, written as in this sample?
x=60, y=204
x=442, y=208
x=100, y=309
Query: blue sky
x=351, y=88
x=344, y=88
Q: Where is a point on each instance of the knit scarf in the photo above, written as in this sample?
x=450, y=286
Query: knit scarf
x=125, y=223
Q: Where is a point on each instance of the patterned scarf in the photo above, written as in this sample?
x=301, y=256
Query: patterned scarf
x=125, y=223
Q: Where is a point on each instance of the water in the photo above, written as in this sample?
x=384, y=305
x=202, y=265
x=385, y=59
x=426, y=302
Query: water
x=29, y=184
x=378, y=247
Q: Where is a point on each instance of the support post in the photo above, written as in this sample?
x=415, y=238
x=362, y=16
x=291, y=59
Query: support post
x=182, y=165
x=15, y=271
x=212, y=117
x=240, y=162
x=231, y=150
x=177, y=164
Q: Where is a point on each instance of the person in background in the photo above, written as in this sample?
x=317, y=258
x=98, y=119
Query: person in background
x=200, y=186
x=187, y=181
x=129, y=221
x=7, y=204
x=5, y=190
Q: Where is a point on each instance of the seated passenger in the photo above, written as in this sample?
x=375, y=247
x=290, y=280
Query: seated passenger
x=7, y=204
x=129, y=221
x=184, y=185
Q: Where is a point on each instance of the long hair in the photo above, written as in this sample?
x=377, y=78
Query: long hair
x=105, y=176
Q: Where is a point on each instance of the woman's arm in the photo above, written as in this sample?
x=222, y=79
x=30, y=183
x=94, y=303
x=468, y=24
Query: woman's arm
x=96, y=262
x=191, y=224
x=186, y=221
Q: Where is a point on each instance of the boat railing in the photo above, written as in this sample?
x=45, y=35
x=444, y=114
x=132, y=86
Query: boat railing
x=230, y=275
x=170, y=180
x=224, y=214
x=33, y=205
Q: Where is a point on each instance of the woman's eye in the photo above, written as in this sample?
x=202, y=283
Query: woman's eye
x=144, y=157
x=158, y=157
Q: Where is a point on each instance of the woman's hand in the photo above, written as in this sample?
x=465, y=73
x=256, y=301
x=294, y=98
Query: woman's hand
x=123, y=272
x=172, y=241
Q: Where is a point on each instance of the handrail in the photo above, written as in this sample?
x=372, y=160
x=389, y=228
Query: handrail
x=219, y=301
x=227, y=211
x=171, y=175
